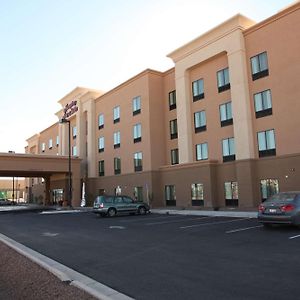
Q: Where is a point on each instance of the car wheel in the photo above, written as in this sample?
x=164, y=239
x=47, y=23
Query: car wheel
x=142, y=210
x=111, y=212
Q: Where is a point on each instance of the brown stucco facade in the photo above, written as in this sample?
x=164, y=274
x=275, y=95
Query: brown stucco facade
x=239, y=81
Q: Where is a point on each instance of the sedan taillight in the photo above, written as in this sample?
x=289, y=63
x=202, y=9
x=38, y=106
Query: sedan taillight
x=261, y=208
x=287, y=208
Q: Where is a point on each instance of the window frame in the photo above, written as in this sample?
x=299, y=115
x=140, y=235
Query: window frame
x=116, y=114
x=137, y=133
x=136, y=105
x=265, y=99
x=198, y=89
x=101, y=121
x=223, y=80
x=261, y=72
x=117, y=139
x=199, y=150
x=197, y=194
x=199, y=120
x=138, y=161
x=174, y=156
x=101, y=142
x=228, y=114
x=117, y=165
x=101, y=168
x=269, y=150
x=173, y=129
x=172, y=100
x=170, y=190
x=231, y=201
x=231, y=151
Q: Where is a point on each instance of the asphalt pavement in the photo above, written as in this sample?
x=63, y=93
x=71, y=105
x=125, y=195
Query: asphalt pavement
x=166, y=256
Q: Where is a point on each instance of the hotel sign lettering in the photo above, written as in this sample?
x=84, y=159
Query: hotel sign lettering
x=70, y=109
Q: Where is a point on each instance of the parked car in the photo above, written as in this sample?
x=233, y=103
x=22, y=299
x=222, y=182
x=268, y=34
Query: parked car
x=113, y=205
x=4, y=202
x=281, y=208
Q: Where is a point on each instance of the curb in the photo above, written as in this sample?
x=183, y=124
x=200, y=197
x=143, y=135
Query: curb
x=85, y=283
x=234, y=214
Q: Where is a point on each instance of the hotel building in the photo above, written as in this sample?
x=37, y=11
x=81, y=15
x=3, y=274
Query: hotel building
x=217, y=130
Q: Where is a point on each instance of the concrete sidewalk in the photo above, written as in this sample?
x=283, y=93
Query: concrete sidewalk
x=169, y=211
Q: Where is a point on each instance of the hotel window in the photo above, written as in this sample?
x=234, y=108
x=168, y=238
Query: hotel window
x=138, y=161
x=117, y=114
x=266, y=143
x=43, y=147
x=231, y=193
x=259, y=66
x=74, y=151
x=223, y=80
x=50, y=144
x=137, y=133
x=101, y=168
x=174, y=157
x=198, y=89
x=138, y=193
x=197, y=194
x=268, y=187
x=170, y=195
x=136, y=105
x=173, y=129
x=228, y=149
x=226, y=114
x=57, y=141
x=117, y=139
x=172, y=100
x=200, y=121
x=101, y=121
x=201, y=151
x=117, y=165
x=263, y=104
x=74, y=132
x=101, y=144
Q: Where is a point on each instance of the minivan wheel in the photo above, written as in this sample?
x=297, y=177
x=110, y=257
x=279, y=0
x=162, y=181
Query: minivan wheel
x=142, y=210
x=111, y=212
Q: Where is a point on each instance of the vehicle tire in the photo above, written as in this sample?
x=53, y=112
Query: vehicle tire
x=111, y=212
x=142, y=210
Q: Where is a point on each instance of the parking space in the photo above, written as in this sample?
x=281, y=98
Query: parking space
x=168, y=256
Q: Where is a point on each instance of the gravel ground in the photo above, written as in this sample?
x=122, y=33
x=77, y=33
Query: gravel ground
x=20, y=278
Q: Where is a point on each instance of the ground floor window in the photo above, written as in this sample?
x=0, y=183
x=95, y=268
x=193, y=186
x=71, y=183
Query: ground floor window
x=231, y=193
x=268, y=187
x=170, y=195
x=138, y=193
x=57, y=196
x=197, y=194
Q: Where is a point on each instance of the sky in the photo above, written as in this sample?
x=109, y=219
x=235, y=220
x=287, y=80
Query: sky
x=49, y=47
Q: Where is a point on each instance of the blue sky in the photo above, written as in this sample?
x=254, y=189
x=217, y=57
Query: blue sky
x=48, y=47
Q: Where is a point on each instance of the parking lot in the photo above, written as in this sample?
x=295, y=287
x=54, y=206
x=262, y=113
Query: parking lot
x=168, y=256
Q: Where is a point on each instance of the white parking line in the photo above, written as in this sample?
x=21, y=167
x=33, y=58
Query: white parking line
x=177, y=221
x=243, y=229
x=294, y=237
x=214, y=223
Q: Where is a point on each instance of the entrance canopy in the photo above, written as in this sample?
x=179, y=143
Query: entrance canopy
x=45, y=166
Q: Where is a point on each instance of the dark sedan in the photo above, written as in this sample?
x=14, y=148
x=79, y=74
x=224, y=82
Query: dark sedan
x=281, y=208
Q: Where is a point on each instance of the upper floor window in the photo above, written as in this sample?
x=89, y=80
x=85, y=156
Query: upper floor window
x=173, y=129
x=101, y=168
x=201, y=151
x=74, y=150
x=117, y=165
x=223, y=80
x=101, y=144
x=263, y=104
x=136, y=105
x=172, y=100
x=138, y=161
x=226, y=114
x=74, y=132
x=174, y=157
x=198, y=89
x=117, y=139
x=200, y=121
x=228, y=149
x=57, y=140
x=43, y=147
x=101, y=121
x=266, y=143
x=50, y=144
x=197, y=192
x=117, y=114
x=137, y=133
x=259, y=66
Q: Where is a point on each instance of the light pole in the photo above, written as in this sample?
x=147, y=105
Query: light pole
x=62, y=121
